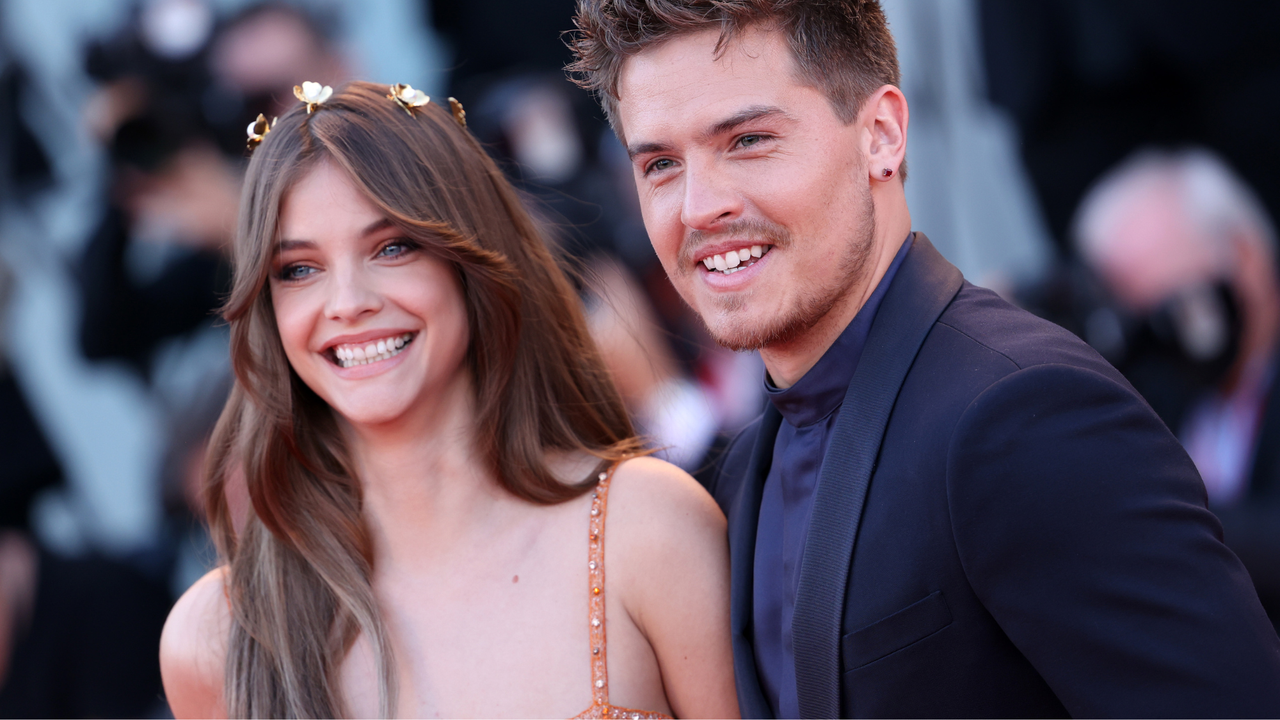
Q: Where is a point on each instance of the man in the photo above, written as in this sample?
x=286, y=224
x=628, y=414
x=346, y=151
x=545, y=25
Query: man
x=949, y=508
x=1187, y=253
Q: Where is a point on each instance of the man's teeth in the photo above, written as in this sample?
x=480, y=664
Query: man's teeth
x=728, y=263
x=352, y=355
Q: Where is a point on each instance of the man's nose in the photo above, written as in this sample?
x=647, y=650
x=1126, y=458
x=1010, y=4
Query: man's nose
x=353, y=293
x=709, y=199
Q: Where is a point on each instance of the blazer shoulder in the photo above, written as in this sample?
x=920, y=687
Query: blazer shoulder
x=1024, y=340
x=1071, y=506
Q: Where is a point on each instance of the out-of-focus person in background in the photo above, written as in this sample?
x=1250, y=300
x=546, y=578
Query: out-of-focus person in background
x=1088, y=82
x=76, y=634
x=1187, y=254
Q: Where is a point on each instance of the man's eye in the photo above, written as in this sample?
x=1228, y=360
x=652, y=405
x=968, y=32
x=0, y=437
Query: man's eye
x=749, y=140
x=660, y=165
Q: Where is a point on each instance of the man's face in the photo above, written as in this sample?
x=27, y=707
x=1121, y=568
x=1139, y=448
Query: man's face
x=754, y=193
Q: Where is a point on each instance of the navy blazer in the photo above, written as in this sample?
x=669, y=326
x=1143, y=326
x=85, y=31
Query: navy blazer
x=1002, y=527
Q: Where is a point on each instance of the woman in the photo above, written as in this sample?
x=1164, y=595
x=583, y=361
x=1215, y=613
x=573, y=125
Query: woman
x=431, y=448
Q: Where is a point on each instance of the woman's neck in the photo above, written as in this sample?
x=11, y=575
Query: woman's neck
x=423, y=483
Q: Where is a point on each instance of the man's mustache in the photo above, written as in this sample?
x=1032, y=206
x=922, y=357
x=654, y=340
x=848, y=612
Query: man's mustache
x=750, y=232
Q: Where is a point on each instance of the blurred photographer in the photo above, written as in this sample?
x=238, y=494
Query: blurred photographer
x=1187, y=256
x=176, y=92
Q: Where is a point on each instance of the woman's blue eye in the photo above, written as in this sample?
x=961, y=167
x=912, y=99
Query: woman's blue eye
x=295, y=272
x=394, y=249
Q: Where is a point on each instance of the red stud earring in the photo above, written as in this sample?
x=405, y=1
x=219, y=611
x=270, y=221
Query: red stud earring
x=887, y=173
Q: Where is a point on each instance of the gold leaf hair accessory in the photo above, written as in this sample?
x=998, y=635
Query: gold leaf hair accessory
x=258, y=130
x=408, y=98
x=312, y=93
x=458, y=113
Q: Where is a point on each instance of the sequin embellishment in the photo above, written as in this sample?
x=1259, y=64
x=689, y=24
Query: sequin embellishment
x=600, y=707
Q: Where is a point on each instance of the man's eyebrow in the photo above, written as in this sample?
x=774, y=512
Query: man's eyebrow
x=742, y=117
x=646, y=148
x=286, y=245
x=746, y=115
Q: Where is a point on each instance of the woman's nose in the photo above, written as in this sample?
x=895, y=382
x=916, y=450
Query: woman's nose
x=352, y=295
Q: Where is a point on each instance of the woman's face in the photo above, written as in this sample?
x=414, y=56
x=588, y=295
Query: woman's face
x=371, y=322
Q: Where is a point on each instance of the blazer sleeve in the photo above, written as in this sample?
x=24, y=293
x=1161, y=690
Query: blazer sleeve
x=1082, y=527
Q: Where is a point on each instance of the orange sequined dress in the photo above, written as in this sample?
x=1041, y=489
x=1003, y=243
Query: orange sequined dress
x=600, y=707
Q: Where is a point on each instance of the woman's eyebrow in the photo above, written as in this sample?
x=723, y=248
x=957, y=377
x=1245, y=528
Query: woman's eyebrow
x=375, y=226
x=286, y=244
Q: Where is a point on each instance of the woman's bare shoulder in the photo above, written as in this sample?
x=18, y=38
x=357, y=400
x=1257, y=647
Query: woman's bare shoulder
x=663, y=526
x=193, y=648
x=662, y=497
x=668, y=559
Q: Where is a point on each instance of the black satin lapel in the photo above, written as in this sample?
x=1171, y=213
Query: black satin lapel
x=743, y=521
x=921, y=290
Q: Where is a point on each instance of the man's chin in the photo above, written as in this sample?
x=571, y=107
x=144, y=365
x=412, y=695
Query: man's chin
x=740, y=336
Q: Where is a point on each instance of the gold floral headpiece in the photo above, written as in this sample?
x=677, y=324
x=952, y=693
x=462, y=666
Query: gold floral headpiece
x=312, y=93
x=410, y=99
x=258, y=130
x=458, y=113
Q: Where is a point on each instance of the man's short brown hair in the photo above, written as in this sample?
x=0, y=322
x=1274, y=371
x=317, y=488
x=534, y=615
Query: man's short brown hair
x=842, y=47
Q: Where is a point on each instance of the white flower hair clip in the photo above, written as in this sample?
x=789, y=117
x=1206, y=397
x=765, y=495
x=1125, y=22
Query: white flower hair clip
x=408, y=98
x=312, y=93
x=258, y=130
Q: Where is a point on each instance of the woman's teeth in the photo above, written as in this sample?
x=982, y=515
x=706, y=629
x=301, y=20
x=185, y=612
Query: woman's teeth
x=734, y=260
x=352, y=355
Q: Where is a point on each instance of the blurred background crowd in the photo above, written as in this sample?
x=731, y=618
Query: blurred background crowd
x=1108, y=164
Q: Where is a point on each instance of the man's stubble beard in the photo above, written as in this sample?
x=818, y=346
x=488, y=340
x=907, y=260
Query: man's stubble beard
x=737, y=335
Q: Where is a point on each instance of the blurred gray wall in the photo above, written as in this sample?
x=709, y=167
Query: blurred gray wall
x=967, y=188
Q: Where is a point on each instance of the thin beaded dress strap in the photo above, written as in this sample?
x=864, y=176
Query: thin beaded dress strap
x=595, y=574
x=600, y=707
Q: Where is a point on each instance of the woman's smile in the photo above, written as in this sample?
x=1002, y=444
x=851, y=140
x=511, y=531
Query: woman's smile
x=348, y=355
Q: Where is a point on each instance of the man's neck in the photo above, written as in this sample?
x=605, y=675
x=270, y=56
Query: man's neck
x=788, y=362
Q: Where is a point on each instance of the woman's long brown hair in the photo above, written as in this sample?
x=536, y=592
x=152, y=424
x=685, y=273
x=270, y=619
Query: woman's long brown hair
x=300, y=563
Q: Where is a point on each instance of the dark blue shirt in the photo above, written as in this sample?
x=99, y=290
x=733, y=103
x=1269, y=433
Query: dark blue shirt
x=809, y=410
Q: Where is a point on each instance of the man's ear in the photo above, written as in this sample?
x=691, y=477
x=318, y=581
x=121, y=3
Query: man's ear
x=885, y=118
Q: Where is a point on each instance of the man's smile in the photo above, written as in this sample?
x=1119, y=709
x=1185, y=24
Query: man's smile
x=731, y=261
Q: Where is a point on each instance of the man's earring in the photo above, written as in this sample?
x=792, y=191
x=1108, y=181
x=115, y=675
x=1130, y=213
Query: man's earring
x=886, y=173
